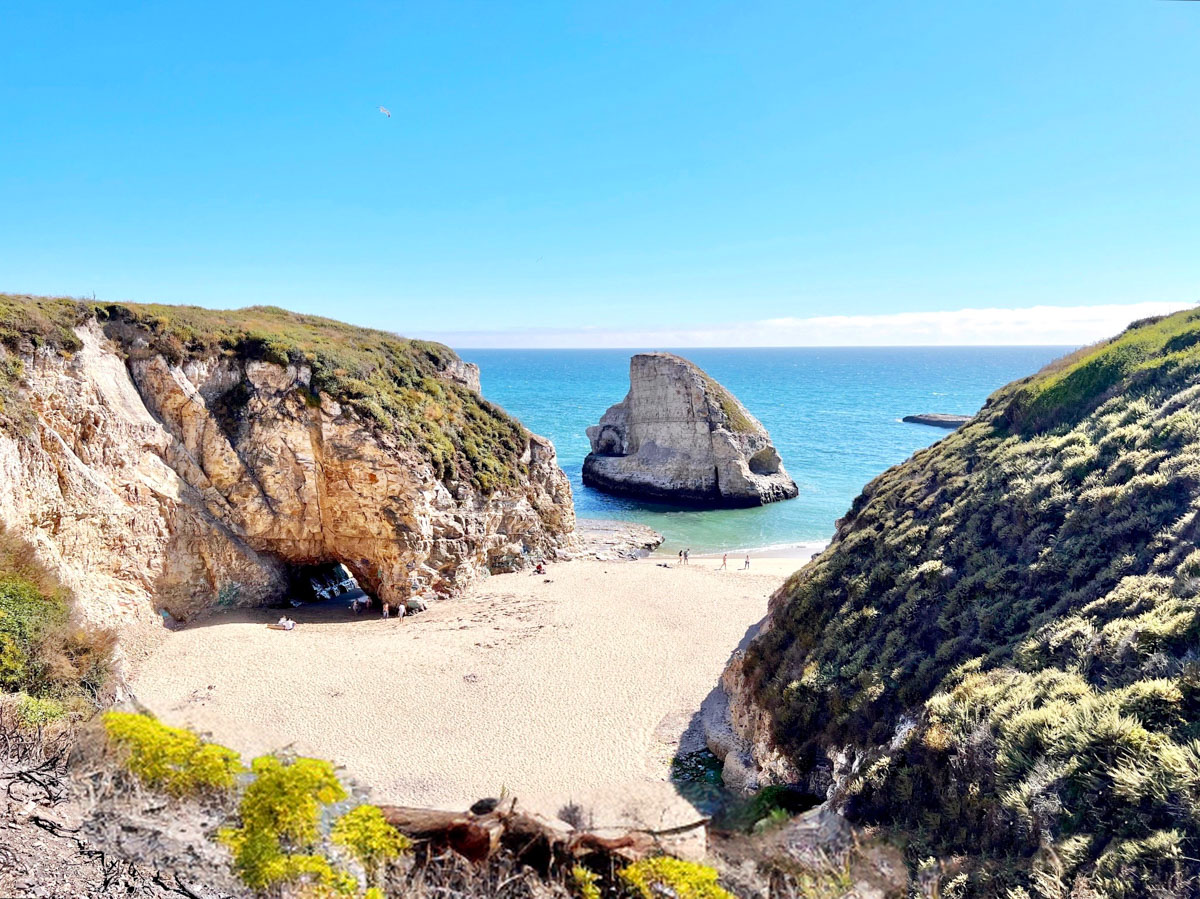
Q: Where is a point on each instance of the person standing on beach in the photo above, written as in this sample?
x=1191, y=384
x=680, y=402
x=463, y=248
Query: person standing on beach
x=687, y=552
x=747, y=564
x=681, y=557
x=724, y=562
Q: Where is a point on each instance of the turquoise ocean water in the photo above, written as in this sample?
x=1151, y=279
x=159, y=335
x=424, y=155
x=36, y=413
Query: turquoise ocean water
x=834, y=415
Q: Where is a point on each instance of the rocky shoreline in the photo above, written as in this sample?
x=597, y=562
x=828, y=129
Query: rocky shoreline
x=605, y=540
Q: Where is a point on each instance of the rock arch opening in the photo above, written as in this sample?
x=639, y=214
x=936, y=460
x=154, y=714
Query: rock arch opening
x=765, y=461
x=321, y=582
x=357, y=586
x=610, y=442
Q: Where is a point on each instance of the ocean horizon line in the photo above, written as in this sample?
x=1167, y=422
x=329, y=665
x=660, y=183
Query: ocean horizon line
x=672, y=349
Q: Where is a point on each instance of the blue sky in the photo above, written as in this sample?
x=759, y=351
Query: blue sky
x=567, y=169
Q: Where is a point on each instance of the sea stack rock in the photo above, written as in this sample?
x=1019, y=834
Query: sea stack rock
x=679, y=436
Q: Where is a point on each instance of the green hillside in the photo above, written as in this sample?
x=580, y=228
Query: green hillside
x=1025, y=592
x=390, y=381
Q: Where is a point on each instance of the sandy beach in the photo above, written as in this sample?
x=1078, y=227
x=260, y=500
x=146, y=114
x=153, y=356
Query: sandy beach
x=576, y=686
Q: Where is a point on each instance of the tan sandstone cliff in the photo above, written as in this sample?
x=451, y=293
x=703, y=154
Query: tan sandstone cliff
x=191, y=483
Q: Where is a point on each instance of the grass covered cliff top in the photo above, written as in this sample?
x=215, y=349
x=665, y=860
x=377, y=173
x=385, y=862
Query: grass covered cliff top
x=1005, y=632
x=395, y=383
x=1151, y=351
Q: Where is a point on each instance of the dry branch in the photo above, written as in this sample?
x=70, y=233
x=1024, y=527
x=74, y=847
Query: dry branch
x=479, y=837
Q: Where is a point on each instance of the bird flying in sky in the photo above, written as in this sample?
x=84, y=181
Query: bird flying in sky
x=385, y=111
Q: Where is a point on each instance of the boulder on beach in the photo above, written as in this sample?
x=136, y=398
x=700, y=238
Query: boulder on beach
x=679, y=436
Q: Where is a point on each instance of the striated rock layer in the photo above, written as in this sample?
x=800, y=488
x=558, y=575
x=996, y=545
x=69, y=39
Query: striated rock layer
x=679, y=436
x=187, y=484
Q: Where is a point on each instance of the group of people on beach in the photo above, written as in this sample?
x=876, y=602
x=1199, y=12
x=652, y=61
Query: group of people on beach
x=724, y=566
x=361, y=603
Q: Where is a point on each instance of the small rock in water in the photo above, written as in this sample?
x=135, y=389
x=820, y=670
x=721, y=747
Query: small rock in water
x=937, y=420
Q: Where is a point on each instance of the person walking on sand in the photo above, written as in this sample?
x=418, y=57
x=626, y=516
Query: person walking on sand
x=387, y=609
x=724, y=562
x=681, y=557
x=746, y=565
x=687, y=552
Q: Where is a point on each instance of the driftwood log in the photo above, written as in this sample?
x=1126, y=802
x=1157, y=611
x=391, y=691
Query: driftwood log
x=531, y=838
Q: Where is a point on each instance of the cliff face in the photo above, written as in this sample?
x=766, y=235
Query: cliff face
x=996, y=657
x=680, y=436
x=155, y=469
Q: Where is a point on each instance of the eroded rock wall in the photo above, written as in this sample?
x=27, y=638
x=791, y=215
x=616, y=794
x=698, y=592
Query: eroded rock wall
x=150, y=485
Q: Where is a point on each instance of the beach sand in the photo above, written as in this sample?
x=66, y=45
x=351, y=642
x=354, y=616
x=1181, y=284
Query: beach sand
x=573, y=687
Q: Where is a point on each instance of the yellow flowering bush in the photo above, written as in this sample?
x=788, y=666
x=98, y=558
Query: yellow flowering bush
x=664, y=876
x=170, y=758
x=584, y=882
x=366, y=835
x=280, y=814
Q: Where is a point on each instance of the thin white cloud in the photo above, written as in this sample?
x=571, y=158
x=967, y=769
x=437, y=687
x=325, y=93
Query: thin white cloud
x=1032, y=326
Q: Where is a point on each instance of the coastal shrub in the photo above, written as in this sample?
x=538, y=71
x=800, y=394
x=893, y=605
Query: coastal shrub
x=42, y=652
x=170, y=758
x=280, y=813
x=585, y=883
x=366, y=835
x=33, y=711
x=767, y=808
x=24, y=616
x=1006, y=627
x=40, y=322
x=664, y=875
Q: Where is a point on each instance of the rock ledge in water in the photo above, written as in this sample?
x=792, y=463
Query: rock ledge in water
x=679, y=436
x=606, y=540
x=938, y=420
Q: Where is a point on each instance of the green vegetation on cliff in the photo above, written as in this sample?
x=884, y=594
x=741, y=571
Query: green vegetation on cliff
x=27, y=323
x=1006, y=630
x=56, y=664
x=396, y=384
x=737, y=419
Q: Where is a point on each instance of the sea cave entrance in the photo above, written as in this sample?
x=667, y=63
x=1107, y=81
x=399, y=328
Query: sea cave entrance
x=327, y=585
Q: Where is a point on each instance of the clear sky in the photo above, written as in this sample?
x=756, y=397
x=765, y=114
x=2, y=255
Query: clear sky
x=573, y=173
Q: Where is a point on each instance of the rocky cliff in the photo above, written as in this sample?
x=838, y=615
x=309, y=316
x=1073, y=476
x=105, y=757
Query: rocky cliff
x=996, y=658
x=679, y=436
x=179, y=458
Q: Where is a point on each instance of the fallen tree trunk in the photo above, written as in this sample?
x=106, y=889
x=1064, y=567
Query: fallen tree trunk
x=539, y=841
x=472, y=836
